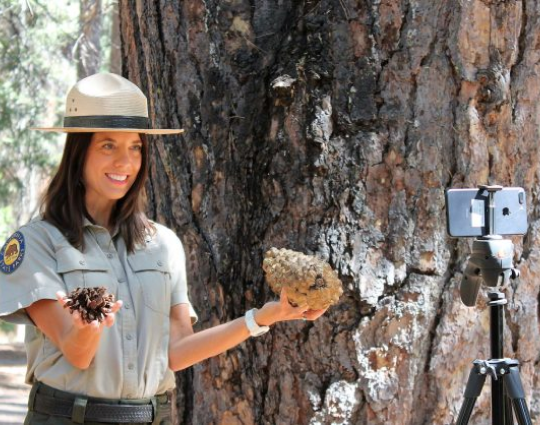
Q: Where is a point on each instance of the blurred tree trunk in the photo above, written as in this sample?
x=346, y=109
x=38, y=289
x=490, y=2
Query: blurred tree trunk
x=88, y=44
x=116, y=51
x=333, y=127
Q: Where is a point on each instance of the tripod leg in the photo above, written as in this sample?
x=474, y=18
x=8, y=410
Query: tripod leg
x=509, y=417
x=515, y=392
x=497, y=403
x=472, y=391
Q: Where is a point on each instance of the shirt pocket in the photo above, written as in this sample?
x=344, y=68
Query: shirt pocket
x=154, y=279
x=80, y=271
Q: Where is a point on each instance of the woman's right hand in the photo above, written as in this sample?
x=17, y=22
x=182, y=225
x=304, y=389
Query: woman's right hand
x=78, y=321
x=77, y=340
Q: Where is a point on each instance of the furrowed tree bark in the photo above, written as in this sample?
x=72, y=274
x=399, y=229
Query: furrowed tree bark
x=333, y=127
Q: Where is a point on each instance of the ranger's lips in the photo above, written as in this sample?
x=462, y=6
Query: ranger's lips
x=117, y=177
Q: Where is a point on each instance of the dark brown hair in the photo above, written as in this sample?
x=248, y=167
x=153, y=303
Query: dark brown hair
x=64, y=202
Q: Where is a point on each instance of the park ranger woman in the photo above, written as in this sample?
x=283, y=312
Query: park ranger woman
x=92, y=232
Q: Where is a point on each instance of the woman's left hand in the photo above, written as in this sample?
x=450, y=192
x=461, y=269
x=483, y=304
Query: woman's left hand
x=282, y=310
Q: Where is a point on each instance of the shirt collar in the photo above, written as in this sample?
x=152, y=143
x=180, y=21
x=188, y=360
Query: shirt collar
x=88, y=223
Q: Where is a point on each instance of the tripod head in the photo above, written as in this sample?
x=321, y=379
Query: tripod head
x=483, y=212
x=490, y=261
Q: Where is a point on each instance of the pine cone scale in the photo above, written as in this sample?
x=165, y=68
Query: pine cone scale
x=91, y=303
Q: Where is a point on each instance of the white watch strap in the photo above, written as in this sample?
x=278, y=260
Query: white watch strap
x=253, y=327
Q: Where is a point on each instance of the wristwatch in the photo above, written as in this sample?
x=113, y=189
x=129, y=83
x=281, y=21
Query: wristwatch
x=253, y=327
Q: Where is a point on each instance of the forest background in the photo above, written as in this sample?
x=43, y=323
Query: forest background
x=330, y=127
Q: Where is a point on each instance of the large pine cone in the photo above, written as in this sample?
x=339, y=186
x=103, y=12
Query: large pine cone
x=91, y=303
x=308, y=279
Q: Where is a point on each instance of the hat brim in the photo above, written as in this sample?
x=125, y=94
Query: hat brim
x=114, y=130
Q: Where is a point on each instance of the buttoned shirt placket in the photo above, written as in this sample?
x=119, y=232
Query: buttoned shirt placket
x=125, y=319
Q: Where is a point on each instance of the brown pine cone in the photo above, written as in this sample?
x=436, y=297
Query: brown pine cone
x=308, y=279
x=91, y=303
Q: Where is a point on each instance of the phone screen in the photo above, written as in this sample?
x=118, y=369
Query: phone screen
x=467, y=212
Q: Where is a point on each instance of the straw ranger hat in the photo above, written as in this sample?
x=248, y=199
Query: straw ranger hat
x=106, y=102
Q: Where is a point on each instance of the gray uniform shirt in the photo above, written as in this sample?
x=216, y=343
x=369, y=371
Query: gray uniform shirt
x=132, y=358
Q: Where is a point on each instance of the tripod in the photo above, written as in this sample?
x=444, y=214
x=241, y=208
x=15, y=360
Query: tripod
x=491, y=260
x=507, y=390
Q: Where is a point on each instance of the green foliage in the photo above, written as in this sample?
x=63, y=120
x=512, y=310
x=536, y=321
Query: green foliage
x=6, y=214
x=6, y=327
x=36, y=70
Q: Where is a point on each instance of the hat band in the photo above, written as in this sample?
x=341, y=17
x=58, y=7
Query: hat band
x=106, y=121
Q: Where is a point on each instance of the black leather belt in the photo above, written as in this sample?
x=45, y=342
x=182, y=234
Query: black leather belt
x=95, y=412
x=82, y=409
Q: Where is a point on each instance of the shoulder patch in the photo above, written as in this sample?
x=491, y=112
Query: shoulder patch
x=12, y=253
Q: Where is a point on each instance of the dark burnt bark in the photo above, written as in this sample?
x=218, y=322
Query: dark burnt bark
x=333, y=127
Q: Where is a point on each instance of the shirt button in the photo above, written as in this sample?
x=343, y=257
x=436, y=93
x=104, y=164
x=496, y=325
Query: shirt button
x=160, y=263
x=130, y=366
x=82, y=262
x=109, y=255
x=121, y=280
x=128, y=337
x=127, y=306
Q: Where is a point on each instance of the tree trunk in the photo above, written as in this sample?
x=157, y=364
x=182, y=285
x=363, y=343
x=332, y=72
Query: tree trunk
x=333, y=127
x=88, y=44
x=115, y=62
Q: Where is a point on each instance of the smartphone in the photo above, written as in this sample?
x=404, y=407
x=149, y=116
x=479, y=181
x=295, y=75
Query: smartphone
x=467, y=212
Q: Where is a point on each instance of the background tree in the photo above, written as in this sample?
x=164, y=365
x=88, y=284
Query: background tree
x=115, y=57
x=35, y=70
x=38, y=64
x=89, y=42
x=333, y=127
x=42, y=48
